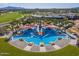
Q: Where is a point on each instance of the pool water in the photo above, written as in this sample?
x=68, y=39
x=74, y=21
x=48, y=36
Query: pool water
x=30, y=35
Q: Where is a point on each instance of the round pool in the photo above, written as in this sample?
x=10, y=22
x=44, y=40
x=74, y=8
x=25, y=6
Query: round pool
x=31, y=35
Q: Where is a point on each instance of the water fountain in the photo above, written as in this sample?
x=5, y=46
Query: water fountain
x=39, y=30
x=39, y=27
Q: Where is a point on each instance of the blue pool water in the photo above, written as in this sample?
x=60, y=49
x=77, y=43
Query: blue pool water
x=30, y=35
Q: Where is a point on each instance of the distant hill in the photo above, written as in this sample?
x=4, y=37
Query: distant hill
x=12, y=8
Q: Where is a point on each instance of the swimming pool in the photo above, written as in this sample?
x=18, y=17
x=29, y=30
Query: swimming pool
x=30, y=35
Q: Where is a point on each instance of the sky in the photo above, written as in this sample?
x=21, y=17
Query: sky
x=40, y=5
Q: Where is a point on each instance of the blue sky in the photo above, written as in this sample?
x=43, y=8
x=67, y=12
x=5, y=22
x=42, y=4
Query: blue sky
x=41, y=5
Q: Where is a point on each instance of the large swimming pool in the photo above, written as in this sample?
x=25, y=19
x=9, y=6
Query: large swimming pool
x=30, y=35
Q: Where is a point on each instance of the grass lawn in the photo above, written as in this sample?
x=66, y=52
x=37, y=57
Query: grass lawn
x=9, y=17
x=7, y=50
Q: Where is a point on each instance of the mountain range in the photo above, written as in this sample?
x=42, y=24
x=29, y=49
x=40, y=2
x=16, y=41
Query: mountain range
x=12, y=8
x=21, y=8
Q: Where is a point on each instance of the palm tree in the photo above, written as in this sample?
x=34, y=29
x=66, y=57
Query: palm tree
x=12, y=24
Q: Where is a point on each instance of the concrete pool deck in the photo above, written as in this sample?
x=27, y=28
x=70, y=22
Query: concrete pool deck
x=59, y=44
x=73, y=42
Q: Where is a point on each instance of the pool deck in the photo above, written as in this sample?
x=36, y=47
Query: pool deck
x=24, y=46
x=73, y=42
x=28, y=48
